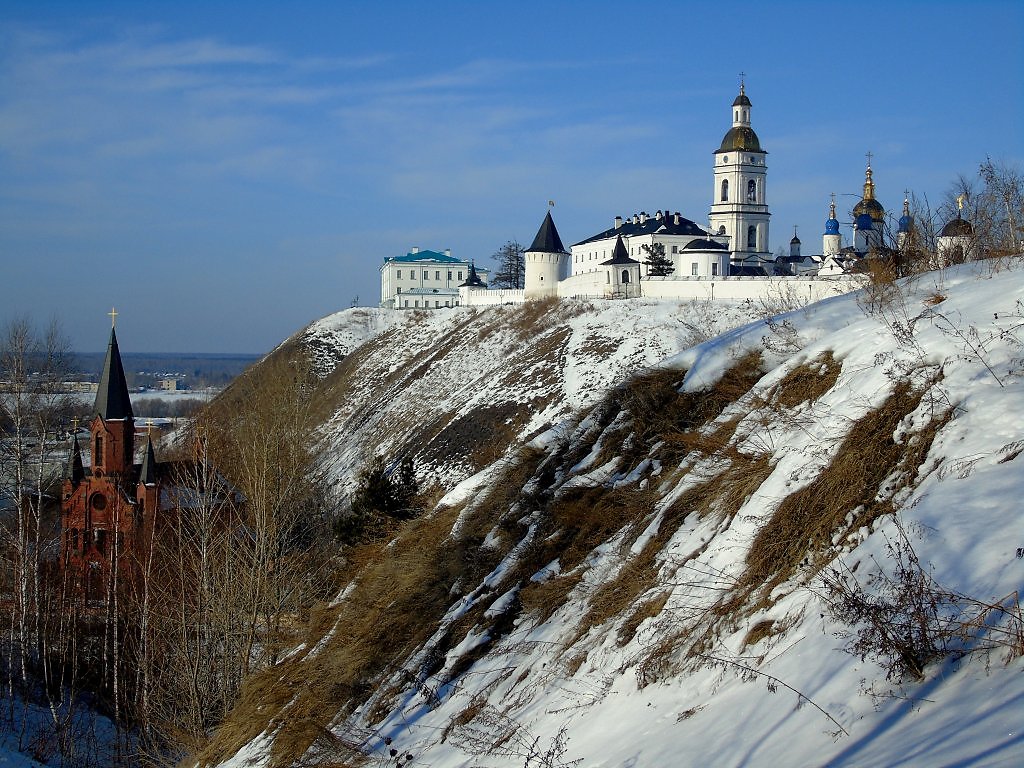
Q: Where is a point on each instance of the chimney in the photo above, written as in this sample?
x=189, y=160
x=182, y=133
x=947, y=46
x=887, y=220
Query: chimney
x=643, y=217
x=657, y=216
x=618, y=222
x=675, y=219
x=415, y=249
x=448, y=252
x=635, y=218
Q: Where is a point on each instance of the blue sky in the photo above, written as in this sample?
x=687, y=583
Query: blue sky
x=224, y=173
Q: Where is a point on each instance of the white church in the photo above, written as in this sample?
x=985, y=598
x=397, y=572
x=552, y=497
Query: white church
x=729, y=259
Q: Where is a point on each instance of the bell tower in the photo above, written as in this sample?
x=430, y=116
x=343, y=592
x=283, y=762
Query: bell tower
x=112, y=428
x=740, y=209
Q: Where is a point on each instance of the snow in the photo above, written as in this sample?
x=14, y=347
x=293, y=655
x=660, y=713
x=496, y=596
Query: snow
x=794, y=697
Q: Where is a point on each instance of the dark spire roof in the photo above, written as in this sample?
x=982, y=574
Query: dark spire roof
x=473, y=280
x=112, y=400
x=147, y=472
x=619, y=255
x=547, y=239
x=75, y=471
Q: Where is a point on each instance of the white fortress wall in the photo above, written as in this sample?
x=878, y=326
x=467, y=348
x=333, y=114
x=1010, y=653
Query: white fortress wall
x=802, y=289
x=476, y=297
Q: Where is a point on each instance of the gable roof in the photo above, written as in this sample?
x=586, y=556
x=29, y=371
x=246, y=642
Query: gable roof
x=547, y=239
x=112, y=401
x=652, y=224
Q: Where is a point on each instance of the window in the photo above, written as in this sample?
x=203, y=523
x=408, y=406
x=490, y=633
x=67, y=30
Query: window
x=98, y=452
x=99, y=540
x=714, y=268
x=721, y=230
x=437, y=304
x=399, y=289
x=675, y=249
x=751, y=191
x=437, y=274
x=446, y=301
x=407, y=302
x=417, y=303
x=625, y=275
x=751, y=237
x=460, y=274
x=607, y=277
x=693, y=268
x=426, y=275
x=399, y=275
x=725, y=190
x=449, y=274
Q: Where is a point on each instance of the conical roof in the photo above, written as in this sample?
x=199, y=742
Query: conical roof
x=147, y=473
x=76, y=470
x=620, y=255
x=473, y=279
x=112, y=402
x=547, y=239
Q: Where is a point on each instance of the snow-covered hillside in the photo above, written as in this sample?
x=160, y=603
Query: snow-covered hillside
x=712, y=565
x=457, y=388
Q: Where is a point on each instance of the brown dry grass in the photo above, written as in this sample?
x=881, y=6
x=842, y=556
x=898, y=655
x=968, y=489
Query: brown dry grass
x=807, y=382
x=802, y=528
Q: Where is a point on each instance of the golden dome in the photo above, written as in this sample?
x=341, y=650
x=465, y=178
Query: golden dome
x=740, y=138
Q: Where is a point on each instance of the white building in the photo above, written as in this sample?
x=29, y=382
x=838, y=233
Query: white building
x=424, y=280
x=739, y=210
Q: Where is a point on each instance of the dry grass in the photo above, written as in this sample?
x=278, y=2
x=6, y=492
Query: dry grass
x=802, y=528
x=807, y=382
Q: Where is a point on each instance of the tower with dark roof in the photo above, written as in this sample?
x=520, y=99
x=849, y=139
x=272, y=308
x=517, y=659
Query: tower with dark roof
x=739, y=209
x=113, y=422
x=547, y=261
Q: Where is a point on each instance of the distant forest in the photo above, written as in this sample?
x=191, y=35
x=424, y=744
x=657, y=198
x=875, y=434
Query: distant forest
x=194, y=371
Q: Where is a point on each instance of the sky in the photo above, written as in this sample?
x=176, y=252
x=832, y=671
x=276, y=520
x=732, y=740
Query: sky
x=225, y=173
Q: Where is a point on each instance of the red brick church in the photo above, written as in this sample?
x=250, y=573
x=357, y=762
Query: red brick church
x=109, y=510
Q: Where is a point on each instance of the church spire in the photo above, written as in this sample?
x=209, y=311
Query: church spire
x=147, y=472
x=547, y=239
x=869, y=184
x=112, y=401
x=75, y=470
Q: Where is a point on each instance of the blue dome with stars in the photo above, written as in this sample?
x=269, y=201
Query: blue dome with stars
x=832, y=226
x=905, y=222
x=864, y=221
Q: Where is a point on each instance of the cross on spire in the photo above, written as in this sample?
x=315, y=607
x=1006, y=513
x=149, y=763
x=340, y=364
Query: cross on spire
x=869, y=156
x=742, y=75
x=113, y=316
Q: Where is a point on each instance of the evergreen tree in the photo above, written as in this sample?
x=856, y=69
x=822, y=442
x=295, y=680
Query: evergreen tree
x=511, y=272
x=658, y=264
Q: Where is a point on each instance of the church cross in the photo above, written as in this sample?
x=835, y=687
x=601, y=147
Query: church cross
x=742, y=76
x=869, y=156
x=113, y=317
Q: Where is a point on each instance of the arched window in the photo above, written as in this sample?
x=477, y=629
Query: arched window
x=751, y=238
x=98, y=453
x=625, y=275
x=751, y=191
x=608, y=277
x=721, y=230
x=725, y=190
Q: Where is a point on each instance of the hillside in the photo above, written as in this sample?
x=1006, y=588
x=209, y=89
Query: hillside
x=794, y=544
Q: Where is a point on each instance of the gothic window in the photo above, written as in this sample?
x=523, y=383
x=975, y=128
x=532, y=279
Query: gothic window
x=751, y=191
x=725, y=190
x=98, y=451
x=625, y=275
x=751, y=237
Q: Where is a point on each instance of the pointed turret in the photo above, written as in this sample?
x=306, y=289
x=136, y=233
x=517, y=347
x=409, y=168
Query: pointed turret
x=831, y=242
x=473, y=280
x=547, y=261
x=620, y=255
x=547, y=239
x=112, y=401
x=75, y=471
x=147, y=472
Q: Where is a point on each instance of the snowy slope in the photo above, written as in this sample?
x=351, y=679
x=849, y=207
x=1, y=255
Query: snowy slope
x=719, y=671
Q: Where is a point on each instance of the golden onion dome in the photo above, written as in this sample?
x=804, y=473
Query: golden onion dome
x=740, y=138
x=871, y=207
